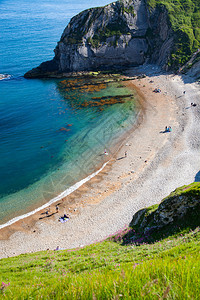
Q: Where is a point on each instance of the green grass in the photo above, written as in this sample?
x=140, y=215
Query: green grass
x=184, y=16
x=108, y=270
x=146, y=229
x=128, y=265
x=191, y=190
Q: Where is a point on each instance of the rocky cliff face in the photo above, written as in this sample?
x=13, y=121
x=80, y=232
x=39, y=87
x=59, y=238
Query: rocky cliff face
x=123, y=33
x=195, y=70
x=182, y=205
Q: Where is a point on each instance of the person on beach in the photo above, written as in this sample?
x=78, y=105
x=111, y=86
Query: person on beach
x=168, y=129
x=56, y=208
x=64, y=218
x=125, y=154
x=105, y=152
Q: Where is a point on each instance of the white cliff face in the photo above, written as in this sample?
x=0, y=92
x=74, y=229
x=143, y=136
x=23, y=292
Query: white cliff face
x=139, y=23
x=195, y=70
x=123, y=33
x=104, y=37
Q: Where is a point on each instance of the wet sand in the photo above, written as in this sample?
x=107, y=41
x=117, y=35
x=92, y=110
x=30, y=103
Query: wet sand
x=156, y=163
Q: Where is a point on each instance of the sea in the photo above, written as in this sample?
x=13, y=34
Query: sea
x=48, y=145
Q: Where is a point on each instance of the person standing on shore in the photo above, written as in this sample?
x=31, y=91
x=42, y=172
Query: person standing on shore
x=125, y=154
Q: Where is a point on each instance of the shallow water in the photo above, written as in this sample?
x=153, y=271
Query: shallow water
x=47, y=142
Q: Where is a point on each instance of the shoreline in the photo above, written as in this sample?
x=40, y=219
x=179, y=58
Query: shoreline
x=54, y=200
x=107, y=203
x=113, y=149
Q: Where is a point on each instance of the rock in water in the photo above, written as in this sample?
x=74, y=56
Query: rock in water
x=123, y=33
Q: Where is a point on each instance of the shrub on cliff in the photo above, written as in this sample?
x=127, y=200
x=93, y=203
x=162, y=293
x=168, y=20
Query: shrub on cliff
x=184, y=16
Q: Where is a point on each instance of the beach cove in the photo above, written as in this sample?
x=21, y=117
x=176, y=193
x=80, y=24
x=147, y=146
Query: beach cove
x=157, y=162
x=63, y=147
x=38, y=125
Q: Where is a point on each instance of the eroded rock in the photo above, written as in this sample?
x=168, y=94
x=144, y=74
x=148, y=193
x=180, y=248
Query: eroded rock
x=182, y=204
x=123, y=33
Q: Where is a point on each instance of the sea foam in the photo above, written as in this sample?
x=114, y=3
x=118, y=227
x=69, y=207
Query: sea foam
x=4, y=76
x=57, y=198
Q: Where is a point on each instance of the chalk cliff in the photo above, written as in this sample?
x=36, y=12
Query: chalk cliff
x=195, y=70
x=123, y=33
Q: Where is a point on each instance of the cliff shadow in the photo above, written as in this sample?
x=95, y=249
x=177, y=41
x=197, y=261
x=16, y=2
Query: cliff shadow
x=153, y=70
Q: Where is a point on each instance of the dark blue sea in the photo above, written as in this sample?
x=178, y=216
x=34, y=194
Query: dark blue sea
x=47, y=143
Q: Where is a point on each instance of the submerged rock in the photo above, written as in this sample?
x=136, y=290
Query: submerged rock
x=123, y=33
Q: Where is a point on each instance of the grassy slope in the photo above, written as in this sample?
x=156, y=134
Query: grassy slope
x=184, y=16
x=160, y=269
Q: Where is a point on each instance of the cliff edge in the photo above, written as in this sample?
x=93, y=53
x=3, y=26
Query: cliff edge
x=127, y=33
x=179, y=210
x=123, y=33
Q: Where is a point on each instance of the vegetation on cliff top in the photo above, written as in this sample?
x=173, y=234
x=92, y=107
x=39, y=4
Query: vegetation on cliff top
x=184, y=16
x=182, y=204
x=165, y=268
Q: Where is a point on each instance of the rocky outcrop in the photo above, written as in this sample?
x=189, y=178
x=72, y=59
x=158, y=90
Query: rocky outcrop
x=195, y=70
x=183, y=204
x=123, y=33
x=160, y=36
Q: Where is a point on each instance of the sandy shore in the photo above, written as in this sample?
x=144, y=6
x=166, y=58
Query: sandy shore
x=155, y=165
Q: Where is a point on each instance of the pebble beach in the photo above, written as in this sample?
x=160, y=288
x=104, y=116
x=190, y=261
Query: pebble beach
x=149, y=164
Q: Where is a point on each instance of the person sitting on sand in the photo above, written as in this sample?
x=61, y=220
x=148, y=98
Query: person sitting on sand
x=193, y=104
x=168, y=129
x=63, y=219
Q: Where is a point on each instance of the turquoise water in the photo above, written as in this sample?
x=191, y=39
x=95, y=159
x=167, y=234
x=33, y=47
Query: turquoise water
x=38, y=159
